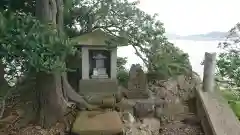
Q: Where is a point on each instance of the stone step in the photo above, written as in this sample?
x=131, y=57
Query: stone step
x=98, y=123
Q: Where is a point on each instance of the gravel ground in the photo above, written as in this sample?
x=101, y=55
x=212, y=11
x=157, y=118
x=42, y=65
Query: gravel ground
x=179, y=128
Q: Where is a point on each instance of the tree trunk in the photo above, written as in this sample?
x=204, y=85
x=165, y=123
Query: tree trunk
x=3, y=87
x=51, y=103
x=59, y=18
x=3, y=82
x=2, y=73
x=53, y=90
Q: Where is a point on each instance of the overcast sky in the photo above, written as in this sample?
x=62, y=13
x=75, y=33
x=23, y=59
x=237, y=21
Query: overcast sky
x=186, y=17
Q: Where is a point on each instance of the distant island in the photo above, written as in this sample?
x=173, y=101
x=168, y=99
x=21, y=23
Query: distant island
x=215, y=35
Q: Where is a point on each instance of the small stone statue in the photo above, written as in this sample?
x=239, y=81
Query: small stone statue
x=137, y=78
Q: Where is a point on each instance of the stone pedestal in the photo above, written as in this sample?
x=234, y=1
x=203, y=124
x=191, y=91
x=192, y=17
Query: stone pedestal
x=98, y=123
x=99, y=73
x=93, y=86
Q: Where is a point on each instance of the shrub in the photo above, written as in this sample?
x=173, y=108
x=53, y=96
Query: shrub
x=123, y=77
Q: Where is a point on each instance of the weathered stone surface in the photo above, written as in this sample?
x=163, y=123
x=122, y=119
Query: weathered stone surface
x=179, y=88
x=169, y=103
x=143, y=109
x=153, y=124
x=181, y=81
x=176, y=92
x=137, y=84
x=125, y=105
x=98, y=123
x=213, y=109
x=137, y=78
x=158, y=112
x=179, y=128
x=137, y=130
x=136, y=94
x=107, y=86
x=102, y=100
x=127, y=117
x=149, y=126
x=170, y=112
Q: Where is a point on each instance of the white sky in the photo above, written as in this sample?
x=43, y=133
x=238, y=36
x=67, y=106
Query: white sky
x=185, y=17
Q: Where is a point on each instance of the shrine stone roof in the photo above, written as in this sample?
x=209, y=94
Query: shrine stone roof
x=95, y=38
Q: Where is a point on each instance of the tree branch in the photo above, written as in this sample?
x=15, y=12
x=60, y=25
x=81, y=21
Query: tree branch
x=53, y=9
x=59, y=15
x=139, y=55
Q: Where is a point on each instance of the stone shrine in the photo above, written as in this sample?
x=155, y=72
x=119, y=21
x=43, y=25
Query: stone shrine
x=98, y=68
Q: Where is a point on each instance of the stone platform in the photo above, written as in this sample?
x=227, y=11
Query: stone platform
x=98, y=123
x=98, y=86
x=101, y=92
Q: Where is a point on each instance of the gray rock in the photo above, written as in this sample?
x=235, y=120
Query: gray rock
x=169, y=112
x=149, y=126
x=143, y=109
x=128, y=118
x=137, y=78
x=153, y=124
x=137, y=130
x=180, y=87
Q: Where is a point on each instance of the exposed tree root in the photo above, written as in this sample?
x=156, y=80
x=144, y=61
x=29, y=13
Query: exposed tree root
x=73, y=95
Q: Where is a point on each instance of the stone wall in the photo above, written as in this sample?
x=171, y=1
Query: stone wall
x=213, y=111
x=171, y=103
x=179, y=97
x=201, y=113
x=217, y=118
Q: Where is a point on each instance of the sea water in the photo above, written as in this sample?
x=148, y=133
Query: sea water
x=195, y=50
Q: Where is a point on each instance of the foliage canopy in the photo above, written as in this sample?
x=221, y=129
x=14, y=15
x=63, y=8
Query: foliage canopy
x=168, y=60
x=122, y=72
x=26, y=44
x=228, y=63
x=120, y=18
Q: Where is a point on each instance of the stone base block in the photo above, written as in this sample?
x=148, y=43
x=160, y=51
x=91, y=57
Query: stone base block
x=98, y=123
x=98, y=86
x=100, y=77
x=143, y=109
x=136, y=94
